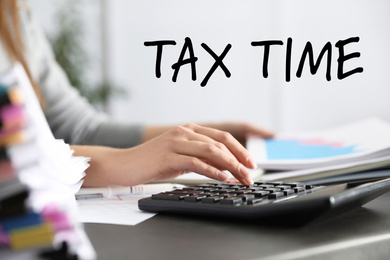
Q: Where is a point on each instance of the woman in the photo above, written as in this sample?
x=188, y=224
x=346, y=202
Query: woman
x=152, y=152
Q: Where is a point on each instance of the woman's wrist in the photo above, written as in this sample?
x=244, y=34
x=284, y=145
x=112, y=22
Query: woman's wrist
x=151, y=132
x=107, y=165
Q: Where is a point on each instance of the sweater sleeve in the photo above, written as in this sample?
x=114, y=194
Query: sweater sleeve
x=69, y=115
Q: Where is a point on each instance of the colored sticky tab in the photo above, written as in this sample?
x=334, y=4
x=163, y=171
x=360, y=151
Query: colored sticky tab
x=6, y=170
x=12, y=138
x=4, y=239
x=11, y=115
x=20, y=221
x=15, y=96
x=31, y=236
x=6, y=132
x=58, y=220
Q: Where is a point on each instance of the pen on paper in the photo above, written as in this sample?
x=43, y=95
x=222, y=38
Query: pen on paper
x=88, y=196
x=112, y=191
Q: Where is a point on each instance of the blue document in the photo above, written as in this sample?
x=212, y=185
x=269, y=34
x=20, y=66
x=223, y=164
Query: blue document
x=280, y=149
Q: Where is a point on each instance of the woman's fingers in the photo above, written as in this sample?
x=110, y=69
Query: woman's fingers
x=213, y=155
x=229, y=141
x=197, y=165
x=252, y=130
x=207, y=151
x=193, y=136
x=203, y=144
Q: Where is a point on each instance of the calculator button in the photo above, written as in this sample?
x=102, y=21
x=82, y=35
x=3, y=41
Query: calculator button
x=225, y=195
x=222, y=186
x=308, y=187
x=194, y=198
x=266, y=186
x=210, y=189
x=255, y=201
x=234, y=186
x=288, y=192
x=179, y=194
x=169, y=196
x=272, y=190
x=231, y=201
x=283, y=187
x=192, y=188
x=211, y=199
x=195, y=191
x=225, y=190
x=259, y=194
x=257, y=188
x=295, y=184
x=186, y=191
x=210, y=194
x=246, y=190
x=299, y=189
x=239, y=192
x=275, y=195
x=246, y=197
x=276, y=183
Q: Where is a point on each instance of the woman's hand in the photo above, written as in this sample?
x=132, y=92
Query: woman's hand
x=241, y=131
x=182, y=149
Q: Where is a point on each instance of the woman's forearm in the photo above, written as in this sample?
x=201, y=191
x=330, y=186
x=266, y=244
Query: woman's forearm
x=105, y=164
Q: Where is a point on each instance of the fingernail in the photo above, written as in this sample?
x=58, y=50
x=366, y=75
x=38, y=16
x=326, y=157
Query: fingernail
x=244, y=172
x=222, y=176
x=249, y=181
x=233, y=180
x=251, y=162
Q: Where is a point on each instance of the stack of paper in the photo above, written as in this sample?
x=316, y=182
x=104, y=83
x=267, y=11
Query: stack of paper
x=350, y=148
x=41, y=176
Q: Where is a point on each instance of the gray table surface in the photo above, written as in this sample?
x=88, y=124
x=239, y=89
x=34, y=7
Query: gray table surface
x=363, y=233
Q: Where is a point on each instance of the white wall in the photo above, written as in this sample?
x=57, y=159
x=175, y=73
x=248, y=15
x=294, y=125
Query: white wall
x=312, y=102
x=306, y=103
x=46, y=11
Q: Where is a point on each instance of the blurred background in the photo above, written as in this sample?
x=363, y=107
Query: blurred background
x=107, y=60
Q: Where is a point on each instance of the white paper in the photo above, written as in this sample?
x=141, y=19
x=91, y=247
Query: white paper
x=119, y=210
x=371, y=138
x=332, y=170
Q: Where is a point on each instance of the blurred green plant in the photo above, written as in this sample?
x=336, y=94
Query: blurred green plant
x=72, y=57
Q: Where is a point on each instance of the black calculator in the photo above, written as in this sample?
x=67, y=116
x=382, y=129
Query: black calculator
x=283, y=202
